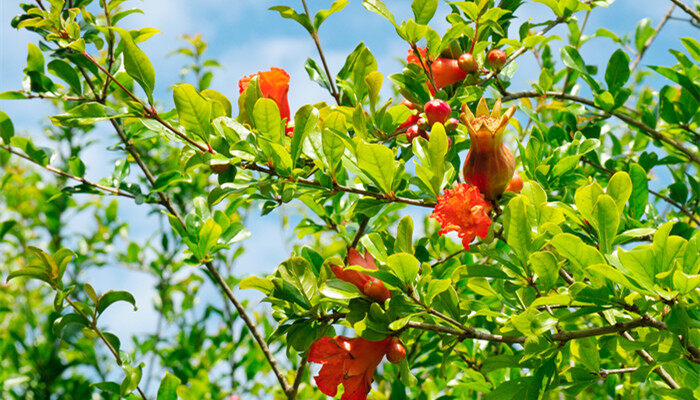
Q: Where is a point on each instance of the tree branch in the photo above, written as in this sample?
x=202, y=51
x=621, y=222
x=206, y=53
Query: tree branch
x=693, y=14
x=116, y=192
x=337, y=187
x=693, y=156
x=651, y=38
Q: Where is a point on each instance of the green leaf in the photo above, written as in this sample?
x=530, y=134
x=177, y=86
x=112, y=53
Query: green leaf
x=137, y=64
x=112, y=297
x=640, y=191
x=424, y=10
x=377, y=6
x=253, y=282
x=305, y=121
x=164, y=180
x=544, y=264
x=73, y=318
x=30, y=272
x=377, y=161
x=517, y=227
x=322, y=15
x=48, y=262
x=5, y=227
x=85, y=114
x=194, y=111
x=579, y=254
x=606, y=221
x=374, y=84
x=66, y=72
x=405, y=266
x=209, y=235
x=290, y=13
x=35, y=59
x=620, y=188
x=692, y=46
x=435, y=287
x=404, y=236
x=168, y=387
x=7, y=129
x=585, y=351
x=618, y=71
x=266, y=116
x=40, y=155
x=76, y=165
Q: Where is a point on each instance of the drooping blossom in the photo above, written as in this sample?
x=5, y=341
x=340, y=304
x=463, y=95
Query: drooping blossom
x=274, y=84
x=346, y=361
x=368, y=285
x=516, y=184
x=464, y=210
x=489, y=164
x=445, y=71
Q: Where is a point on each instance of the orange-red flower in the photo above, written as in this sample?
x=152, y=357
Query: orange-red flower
x=348, y=361
x=368, y=285
x=445, y=71
x=464, y=210
x=274, y=84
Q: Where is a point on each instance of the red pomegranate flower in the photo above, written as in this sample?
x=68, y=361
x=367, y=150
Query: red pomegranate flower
x=368, y=285
x=445, y=71
x=464, y=210
x=348, y=361
x=274, y=84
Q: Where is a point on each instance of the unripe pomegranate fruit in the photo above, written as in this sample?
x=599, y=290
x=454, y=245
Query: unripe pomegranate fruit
x=436, y=110
x=489, y=164
x=497, y=59
x=375, y=289
x=396, y=352
x=467, y=63
x=516, y=184
x=451, y=124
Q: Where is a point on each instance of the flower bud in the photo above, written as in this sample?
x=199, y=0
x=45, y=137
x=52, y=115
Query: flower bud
x=489, y=165
x=516, y=184
x=451, y=124
x=396, y=352
x=413, y=132
x=467, y=63
x=497, y=59
x=437, y=110
x=422, y=123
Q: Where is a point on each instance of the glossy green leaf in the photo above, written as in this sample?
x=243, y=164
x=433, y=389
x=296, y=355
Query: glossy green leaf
x=194, y=111
x=423, y=10
x=377, y=161
x=112, y=297
x=7, y=129
x=168, y=387
x=404, y=266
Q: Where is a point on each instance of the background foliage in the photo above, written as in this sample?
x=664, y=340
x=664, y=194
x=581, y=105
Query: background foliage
x=586, y=286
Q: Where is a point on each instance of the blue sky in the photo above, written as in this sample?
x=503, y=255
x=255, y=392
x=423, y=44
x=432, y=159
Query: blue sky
x=245, y=37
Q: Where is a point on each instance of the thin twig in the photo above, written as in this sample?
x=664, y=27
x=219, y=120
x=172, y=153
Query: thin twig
x=603, y=373
x=299, y=374
x=521, y=50
x=565, y=336
x=651, y=38
x=93, y=327
x=314, y=35
x=688, y=10
x=340, y=188
x=651, y=132
x=116, y=192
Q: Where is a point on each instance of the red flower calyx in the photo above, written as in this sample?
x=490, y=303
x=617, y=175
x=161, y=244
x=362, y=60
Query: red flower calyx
x=489, y=164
